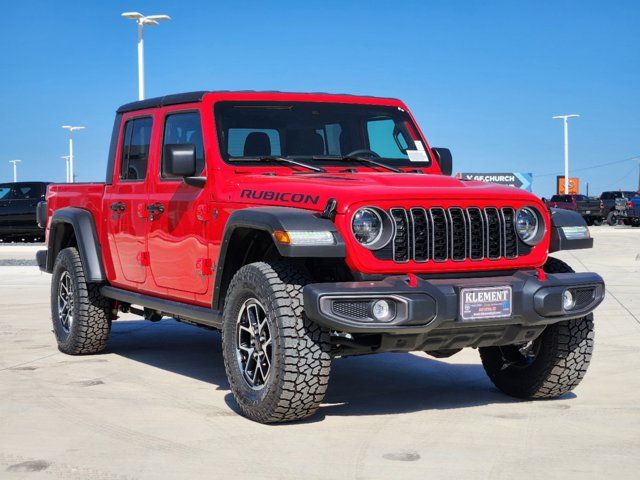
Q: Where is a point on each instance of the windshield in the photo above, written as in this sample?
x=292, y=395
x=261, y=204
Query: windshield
x=305, y=130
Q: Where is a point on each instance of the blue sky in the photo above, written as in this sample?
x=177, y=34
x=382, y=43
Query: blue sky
x=483, y=78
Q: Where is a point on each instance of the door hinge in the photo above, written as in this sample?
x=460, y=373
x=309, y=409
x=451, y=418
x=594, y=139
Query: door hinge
x=143, y=259
x=204, y=266
x=203, y=212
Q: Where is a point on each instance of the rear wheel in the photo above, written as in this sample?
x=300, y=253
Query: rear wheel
x=612, y=218
x=549, y=366
x=277, y=360
x=81, y=315
x=598, y=221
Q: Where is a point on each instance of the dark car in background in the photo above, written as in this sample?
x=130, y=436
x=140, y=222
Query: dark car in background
x=609, y=199
x=590, y=208
x=18, y=203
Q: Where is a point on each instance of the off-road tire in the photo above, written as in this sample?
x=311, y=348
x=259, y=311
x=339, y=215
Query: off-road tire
x=563, y=354
x=89, y=331
x=301, y=361
x=612, y=219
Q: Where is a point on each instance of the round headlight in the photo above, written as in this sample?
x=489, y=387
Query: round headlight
x=367, y=226
x=528, y=226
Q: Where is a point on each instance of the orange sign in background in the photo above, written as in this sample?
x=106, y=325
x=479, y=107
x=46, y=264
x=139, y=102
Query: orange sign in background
x=574, y=186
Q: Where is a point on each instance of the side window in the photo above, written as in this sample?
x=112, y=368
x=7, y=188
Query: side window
x=184, y=129
x=5, y=192
x=385, y=140
x=27, y=191
x=252, y=142
x=135, y=149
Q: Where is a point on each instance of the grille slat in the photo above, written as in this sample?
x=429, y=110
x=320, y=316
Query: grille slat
x=420, y=233
x=441, y=234
x=510, y=235
x=401, y=239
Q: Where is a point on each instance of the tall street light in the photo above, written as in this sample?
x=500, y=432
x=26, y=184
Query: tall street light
x=143, y=21
x=66, y=161
x=15, y=169
x=71, y=130
x=565, y=118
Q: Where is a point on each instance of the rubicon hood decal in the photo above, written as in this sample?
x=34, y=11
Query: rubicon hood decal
x=286, y=197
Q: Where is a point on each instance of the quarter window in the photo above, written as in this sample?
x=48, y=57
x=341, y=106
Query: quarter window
x=184, y=129
x=135, y=149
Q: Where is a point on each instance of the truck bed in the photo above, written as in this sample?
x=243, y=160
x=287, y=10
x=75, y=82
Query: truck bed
x=81, y=195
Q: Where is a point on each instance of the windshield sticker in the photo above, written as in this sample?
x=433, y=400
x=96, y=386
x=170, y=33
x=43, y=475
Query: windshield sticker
x=417, y=156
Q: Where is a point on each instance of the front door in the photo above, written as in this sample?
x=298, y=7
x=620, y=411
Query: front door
x=177, y=240
x=126, y=202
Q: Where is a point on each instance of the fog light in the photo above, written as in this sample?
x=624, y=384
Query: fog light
x=382, y=310
x=568, y=300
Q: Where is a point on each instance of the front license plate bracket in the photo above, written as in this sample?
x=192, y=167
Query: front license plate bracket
x=486, y=303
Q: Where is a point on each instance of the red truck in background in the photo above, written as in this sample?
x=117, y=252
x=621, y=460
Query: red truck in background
x=307, y=227
x=591, y=208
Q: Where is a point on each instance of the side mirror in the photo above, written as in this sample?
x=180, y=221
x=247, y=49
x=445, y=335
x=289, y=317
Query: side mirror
x=179, y=160
x=445, y=159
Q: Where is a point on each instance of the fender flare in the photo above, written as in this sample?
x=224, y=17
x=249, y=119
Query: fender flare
x=86, y=235
x=567, y=218
x=270, y=219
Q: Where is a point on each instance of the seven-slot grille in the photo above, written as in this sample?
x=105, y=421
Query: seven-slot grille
x=453, y=233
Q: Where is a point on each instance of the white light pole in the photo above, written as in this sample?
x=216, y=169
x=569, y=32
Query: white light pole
x=71, y=130
x=143, y=21
x=565, y=118
x=15, y=169
x=66, y=161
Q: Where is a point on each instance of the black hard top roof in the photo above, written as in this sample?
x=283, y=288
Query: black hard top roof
x=192, y=97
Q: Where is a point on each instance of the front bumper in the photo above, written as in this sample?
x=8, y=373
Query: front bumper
x=424, y=305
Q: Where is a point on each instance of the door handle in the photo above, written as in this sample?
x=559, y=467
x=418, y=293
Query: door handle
x=155, y=208
x=118, y=207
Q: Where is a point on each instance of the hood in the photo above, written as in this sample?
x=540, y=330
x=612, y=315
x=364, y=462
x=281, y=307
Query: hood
x=312, y=191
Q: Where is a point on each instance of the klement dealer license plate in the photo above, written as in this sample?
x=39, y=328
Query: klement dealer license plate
x=485, y=303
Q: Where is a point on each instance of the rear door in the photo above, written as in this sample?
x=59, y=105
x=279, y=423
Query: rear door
x=125, y=200
x=177, y=240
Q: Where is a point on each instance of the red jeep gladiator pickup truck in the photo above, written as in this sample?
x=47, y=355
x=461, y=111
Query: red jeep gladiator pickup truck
x=307, y=227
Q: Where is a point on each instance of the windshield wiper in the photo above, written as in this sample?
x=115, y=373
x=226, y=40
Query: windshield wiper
x=355, y=158
x=273, y=158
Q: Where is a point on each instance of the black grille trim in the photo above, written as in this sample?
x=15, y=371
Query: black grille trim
x=441, y=234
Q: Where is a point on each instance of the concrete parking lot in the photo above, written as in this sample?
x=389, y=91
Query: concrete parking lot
x=157, y=404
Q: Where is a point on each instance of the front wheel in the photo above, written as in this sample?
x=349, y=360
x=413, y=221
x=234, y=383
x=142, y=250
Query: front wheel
x=598, y=221
x=612, y=218
x=549, y=366
x=277, y=360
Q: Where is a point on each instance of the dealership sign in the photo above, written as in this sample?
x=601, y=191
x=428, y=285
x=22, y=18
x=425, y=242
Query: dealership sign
x=511, y=179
